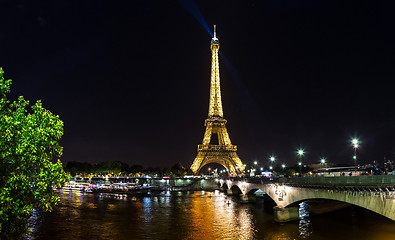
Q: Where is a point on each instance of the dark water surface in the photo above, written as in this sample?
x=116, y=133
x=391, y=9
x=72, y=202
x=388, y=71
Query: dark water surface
x=195, y=215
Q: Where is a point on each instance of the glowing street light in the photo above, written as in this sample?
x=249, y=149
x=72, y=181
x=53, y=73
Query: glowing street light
x=272, y=159
x=255, y=166
x=300, y=153
x=355, y=144
x=323, y=160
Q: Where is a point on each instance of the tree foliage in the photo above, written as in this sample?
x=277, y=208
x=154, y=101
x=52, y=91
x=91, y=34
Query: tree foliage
x=178, y=169
x=80, y=168
x=29, y=146
x=84, y=169
x=111, y=167
x=136, y=169
x=114, y=168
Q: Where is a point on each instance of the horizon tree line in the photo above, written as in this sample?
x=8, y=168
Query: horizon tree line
x=118, y=168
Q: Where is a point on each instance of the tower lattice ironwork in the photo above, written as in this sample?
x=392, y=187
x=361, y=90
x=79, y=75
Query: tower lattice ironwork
x=221, y=151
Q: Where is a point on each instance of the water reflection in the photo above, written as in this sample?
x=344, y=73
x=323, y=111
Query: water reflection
x=304, y=222
x=147, y=209
x=32, y=223
x=190, y=215
x=81, y=197
x=60, y=194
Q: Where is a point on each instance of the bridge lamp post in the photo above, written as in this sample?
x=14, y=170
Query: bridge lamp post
x=255, y=166
x=300, y=168
x=272, y=159
x=355, y=144
x=300, y=153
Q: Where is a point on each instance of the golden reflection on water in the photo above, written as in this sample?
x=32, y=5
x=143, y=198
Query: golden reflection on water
x=190, y=215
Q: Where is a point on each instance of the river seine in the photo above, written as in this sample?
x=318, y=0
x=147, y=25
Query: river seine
x=195, y=215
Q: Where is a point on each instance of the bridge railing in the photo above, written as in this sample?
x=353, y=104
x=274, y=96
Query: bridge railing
x=376, y=180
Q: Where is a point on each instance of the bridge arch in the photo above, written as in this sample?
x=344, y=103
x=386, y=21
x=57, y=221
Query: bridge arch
x=285, y=196
x=251, y=191
x=235, y=190
x=375, y=202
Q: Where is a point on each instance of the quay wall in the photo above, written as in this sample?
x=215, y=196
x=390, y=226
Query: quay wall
x=182, y=184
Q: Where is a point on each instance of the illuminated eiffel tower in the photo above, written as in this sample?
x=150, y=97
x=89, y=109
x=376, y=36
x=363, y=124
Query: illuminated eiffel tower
x=222, y=151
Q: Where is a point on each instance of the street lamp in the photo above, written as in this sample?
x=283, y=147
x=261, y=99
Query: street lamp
x=323, y=160
x=300, y=153
x=272, y=159
x=355, y=144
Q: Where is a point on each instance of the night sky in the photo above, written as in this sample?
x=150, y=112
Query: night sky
x=130, y=79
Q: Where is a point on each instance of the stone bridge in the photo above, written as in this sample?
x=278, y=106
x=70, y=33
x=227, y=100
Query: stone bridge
x=375, y=193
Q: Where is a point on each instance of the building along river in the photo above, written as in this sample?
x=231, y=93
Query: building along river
x=195, y=215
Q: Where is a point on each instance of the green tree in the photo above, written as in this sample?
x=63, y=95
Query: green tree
x=28, y=149
x=136, y=169
x=111, y=167
x=179, y=170
x=81, y=168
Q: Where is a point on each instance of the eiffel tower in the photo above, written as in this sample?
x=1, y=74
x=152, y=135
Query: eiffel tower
x=221, y=151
